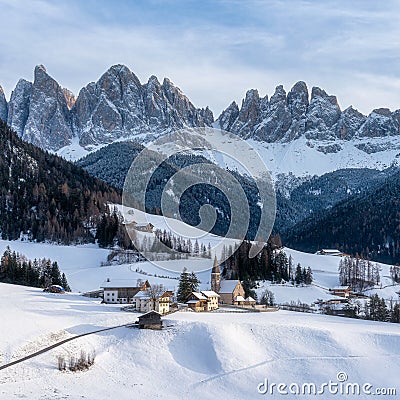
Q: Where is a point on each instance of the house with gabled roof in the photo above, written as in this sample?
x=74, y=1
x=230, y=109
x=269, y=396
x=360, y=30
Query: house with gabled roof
x=342, y=291
x=144, y=301
x=122, y=291
x=197, y=301
x=206, y=300
x=150, y=320
x=212, y=299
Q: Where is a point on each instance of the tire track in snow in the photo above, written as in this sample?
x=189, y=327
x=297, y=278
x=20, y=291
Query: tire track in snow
x=55, y=345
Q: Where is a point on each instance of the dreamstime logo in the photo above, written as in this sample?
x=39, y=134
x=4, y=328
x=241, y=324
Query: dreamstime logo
x=340, y=386
x=153, y=173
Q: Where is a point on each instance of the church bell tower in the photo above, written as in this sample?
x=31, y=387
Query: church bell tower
x=215, y=277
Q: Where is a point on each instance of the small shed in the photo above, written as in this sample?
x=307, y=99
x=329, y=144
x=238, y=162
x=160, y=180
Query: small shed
x=330, y=252
x=239, y=301
x=150, y=320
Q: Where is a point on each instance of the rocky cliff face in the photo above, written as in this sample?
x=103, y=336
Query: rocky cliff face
x=116, y=106
x=49, y=121
x=3, y=106
x=287, y=117
x=18, y=107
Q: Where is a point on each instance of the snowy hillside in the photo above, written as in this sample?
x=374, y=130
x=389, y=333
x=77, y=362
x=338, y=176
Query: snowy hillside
x=83, y=265
x=199, y=355
x=304, y=157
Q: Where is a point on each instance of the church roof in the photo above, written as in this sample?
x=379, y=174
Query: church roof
x=228, y=286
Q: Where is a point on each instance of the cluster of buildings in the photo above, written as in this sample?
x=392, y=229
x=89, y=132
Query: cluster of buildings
x=144, y=298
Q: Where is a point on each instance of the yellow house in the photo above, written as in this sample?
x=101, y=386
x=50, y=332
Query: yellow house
x=146, y=303
x=212, y=299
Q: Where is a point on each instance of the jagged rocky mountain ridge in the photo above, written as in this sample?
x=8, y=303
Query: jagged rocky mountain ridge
x=118, y=106
x=115, y=107
x=285, y=117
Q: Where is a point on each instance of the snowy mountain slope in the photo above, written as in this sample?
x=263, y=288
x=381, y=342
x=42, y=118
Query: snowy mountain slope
x=201, y=355
x=303, y=157
x=366, y=223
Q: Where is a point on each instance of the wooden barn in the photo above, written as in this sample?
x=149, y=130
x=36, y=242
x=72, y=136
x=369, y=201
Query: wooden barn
x=150, y=320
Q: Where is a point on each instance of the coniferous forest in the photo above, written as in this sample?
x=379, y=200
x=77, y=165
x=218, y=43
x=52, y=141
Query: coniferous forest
x=367, y=224
x=44, y=197
x=17, y=269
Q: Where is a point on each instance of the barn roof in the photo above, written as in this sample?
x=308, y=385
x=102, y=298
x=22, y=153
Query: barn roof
x=239, y=298
x=149, y=313
x=228, y=286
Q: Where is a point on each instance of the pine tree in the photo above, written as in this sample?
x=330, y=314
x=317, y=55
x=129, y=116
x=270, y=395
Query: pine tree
x=194, y=282
x=308, y=276
x=395, y=313
x=299, y=275
x=64, y=283
x=196, y=248
x=267, y=298
x=377, y=309
x=184, y=286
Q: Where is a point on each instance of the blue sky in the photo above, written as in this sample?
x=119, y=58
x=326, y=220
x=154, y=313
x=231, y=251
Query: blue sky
x=213, y=50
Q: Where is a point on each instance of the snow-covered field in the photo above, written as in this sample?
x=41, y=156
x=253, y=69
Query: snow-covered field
x=83, y=266
x=199, y=355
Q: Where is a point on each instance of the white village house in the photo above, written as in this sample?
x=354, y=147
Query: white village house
x=122, y=291
x=139, y=294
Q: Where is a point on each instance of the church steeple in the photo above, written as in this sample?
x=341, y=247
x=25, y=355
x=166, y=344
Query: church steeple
x=215, y=276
